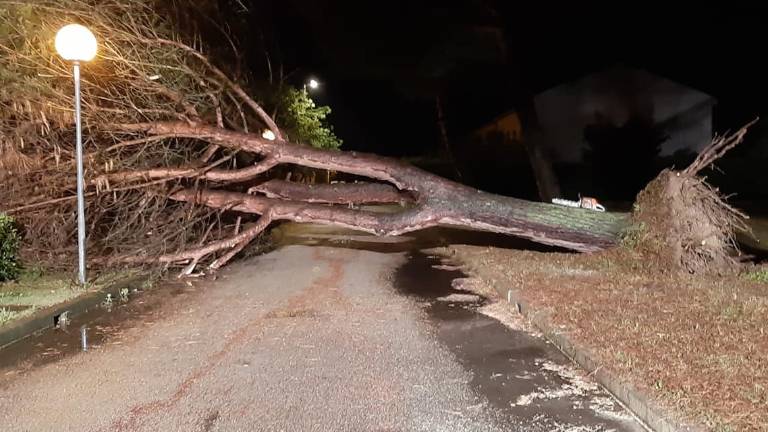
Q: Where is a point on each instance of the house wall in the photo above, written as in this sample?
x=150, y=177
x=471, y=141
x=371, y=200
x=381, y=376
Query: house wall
x=494, y=159
x=617, y=95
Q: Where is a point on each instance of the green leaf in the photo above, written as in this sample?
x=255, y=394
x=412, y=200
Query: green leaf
x=9, y=249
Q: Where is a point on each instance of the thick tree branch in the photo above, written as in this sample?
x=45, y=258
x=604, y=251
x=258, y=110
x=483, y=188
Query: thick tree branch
x=138, y=141
x=576, y=229
x=217, y=175
x=246, y=237
x=361, y=220
x=236, y=243
x=337, y=193
x=400, y=174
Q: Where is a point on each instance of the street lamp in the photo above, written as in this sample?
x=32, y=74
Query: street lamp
x=313, y=84
x=77, y=44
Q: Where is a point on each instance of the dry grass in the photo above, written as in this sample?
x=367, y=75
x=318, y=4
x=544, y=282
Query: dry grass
x=699, y=345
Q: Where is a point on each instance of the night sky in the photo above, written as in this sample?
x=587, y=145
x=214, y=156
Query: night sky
x=383, y=63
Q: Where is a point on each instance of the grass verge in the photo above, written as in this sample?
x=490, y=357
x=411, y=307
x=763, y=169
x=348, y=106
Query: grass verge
x=36, y=290
x=696, y=345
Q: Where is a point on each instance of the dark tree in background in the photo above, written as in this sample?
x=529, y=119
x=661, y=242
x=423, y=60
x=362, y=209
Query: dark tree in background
x=623, y=158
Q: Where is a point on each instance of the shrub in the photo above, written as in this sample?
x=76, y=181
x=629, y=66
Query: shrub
x=9, y=249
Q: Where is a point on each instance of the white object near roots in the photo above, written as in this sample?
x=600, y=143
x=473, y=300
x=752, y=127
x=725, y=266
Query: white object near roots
x=587, y=203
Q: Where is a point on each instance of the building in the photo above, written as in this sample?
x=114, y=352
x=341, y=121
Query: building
x=497, y=158
x=615, y=96
x=507, y=125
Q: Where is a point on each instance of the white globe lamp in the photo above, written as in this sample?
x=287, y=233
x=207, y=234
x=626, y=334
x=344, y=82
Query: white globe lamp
x=76, y=43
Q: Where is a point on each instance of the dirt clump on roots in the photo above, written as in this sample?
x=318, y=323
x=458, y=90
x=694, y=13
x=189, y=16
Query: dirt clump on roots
x=682, y=224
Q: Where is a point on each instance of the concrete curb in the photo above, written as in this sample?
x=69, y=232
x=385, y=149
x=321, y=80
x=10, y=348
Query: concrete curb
x=656, y=418
x=44, y=318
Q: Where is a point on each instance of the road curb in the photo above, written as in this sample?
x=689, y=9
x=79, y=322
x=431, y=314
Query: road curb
x=653, y=416
x=44, y=318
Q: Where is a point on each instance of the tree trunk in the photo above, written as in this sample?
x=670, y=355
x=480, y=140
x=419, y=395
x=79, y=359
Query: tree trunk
x=541, y=164
x=454, y=205
x=428, y=200
x=444, y=137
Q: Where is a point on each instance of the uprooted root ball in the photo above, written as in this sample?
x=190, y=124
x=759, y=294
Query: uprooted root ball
x=682, y=223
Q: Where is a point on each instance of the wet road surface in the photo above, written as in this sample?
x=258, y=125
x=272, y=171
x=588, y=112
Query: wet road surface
x=306, y=338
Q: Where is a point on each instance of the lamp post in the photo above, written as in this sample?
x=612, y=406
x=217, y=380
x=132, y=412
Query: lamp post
x=77, y=44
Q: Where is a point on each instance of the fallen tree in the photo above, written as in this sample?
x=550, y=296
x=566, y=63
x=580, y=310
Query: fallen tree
x=678, y=218
x=435, y=200
x=177, y=175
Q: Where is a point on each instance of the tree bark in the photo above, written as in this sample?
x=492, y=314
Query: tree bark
x=575, y=229
x=444, y=137
x=436, y=201
x=541, y=164
x=335, y=193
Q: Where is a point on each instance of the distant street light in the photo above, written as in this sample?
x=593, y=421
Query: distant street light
x=77, y=44
x=313, y=84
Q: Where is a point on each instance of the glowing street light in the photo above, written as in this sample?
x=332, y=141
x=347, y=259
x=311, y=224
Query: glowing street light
x=313, y=84
x=77, y=44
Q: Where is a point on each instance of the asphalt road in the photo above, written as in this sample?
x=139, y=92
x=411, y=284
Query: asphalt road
x=308, y=338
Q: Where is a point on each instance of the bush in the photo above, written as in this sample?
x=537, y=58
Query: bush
x=9, y=248
x=304, y=121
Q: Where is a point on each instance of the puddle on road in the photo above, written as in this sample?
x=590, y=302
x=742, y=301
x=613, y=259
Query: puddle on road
x=520, y=374
x=104, y=325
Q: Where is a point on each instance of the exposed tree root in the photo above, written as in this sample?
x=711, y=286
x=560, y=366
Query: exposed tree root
x=682, y=223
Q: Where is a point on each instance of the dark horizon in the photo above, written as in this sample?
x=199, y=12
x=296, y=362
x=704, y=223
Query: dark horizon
x=403, y=55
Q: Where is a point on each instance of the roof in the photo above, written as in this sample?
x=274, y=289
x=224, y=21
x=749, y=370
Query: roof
x=626, y=83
